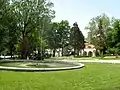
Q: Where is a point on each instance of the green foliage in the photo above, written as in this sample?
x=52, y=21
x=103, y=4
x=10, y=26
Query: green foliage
x=58, y=35
x=98, y=28
x=113, y=37
x=105, y=33
x=64, y=34
x=22, y=20
x=7, y=27
x=93, y=27
x=76, y=38
x=53, y=38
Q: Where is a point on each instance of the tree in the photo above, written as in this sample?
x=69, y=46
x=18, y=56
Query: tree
x=93, y=26
x=53, y=37
x=113, y=37
x=58, y=35
x=64, y=32
x=100, y=38
x=98, y=27
x=2, y=28
x=76, y=39
x=30, y=14
x=8, y=27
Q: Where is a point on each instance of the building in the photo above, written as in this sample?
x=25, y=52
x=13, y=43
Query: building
x=89, y=50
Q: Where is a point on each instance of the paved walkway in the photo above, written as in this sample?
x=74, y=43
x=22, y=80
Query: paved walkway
x=95, y=61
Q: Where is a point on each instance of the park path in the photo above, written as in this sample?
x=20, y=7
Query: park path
x=93, y=61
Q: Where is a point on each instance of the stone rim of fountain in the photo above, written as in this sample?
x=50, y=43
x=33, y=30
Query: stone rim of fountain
x=75, y=66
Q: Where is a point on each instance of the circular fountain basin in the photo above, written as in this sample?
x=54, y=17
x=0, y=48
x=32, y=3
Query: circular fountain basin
x=30, y=65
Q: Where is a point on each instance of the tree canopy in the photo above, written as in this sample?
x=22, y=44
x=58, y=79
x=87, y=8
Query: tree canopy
x=76, y=39
x=103, y=32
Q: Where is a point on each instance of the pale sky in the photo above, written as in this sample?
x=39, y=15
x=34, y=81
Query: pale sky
x=81, y=11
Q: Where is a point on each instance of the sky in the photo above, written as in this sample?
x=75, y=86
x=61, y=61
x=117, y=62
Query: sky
x=81, y=11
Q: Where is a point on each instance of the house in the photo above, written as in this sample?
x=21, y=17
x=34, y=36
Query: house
x=89, y=50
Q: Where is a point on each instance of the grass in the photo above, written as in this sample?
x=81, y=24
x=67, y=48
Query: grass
x=94, y=76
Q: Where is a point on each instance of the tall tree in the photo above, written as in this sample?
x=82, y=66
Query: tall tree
x=97, y=30
x=100, y=38
x=58, y=35
x=30, y=14
x=2, y=28
x=76, y=39
x=53, y=37
x=8, y=27
x=113, y=37
x=64, y=32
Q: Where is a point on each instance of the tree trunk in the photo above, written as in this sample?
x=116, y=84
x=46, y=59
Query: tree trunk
x=23, y=56
x=11, y=52
x=78, y=51
x=24, y=48
x=62, y=51
x=116, y=54
x=101, y=53
x=74, y=51
x=11, y=48
x=43, y=51
x=54, y=52
x=40, y=55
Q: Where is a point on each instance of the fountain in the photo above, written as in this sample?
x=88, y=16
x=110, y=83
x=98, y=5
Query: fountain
x=30, y=65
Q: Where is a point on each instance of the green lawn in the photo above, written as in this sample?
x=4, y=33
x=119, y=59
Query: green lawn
x=94, y=76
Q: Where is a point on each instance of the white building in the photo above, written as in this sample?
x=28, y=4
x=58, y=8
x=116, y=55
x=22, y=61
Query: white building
x=89, y=50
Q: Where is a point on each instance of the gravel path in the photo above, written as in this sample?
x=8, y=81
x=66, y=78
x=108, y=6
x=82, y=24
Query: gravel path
x=95, y=61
